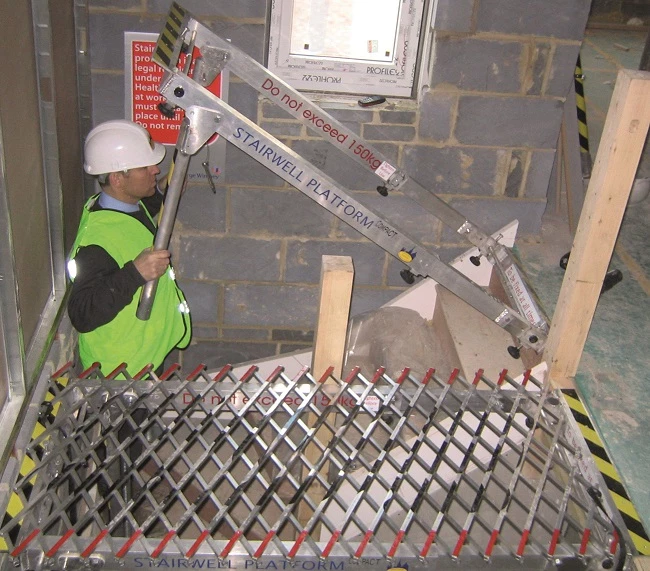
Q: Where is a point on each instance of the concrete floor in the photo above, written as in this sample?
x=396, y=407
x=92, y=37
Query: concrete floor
x=613, y=376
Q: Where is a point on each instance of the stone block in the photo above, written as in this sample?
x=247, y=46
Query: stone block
x=272, y=111
x=257, y=212
x=563, y=67
x=553, y=18
x=605, y=7
x=283, y=306
x=244, y=99
x=452, y=170
x=304, y=260
x=538, y=62
x=477, y=65
x=201, y=333
x=281, y=129
x=293, y=335
x=539, y=174
x=516, y=164
x=286, y=347
x=508, y=121
x=436, y=111
x=352, y=114
x=351, y=125
x=202, y=297
x=388, y=133
x=200, y=209
x=216, y=354
x=247, y=37
x=197, y=177
x=243, y=333
x=398, y=117
x=454, y=15
x=390, y=152
x=369, y=299
x=241, y=169
x=106, y=34
x=225, y=258
x=108, y=97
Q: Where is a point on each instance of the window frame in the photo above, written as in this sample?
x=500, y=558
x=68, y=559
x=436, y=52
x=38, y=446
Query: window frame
x=400, y=78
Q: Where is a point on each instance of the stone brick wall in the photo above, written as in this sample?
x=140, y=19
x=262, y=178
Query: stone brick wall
x=482, y=135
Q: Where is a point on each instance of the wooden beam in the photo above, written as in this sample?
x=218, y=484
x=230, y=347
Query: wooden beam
x=337, y=276
x=623, y=138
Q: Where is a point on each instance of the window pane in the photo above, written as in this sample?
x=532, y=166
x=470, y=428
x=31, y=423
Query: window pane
x=345, y=29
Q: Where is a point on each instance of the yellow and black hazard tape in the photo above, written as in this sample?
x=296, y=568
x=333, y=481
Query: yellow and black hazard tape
x=583, y=130
x=609, y=473
x=16, y=505
x=167, y=39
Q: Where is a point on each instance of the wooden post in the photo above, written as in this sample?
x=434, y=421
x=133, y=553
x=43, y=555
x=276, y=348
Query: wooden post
x=624, y=134
x=337, y=276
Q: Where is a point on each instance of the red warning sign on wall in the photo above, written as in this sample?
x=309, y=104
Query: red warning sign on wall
x=142, y=80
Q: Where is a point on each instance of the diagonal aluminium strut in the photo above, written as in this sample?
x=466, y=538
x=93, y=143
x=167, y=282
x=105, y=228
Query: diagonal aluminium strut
x=206, y=114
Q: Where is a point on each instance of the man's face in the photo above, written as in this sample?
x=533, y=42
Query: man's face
x=139, y=183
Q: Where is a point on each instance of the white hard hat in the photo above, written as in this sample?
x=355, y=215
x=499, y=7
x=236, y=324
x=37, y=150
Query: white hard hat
x=120, y=145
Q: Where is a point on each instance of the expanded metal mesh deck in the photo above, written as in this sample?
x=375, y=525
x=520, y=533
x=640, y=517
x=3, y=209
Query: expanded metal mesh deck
x=279, y=472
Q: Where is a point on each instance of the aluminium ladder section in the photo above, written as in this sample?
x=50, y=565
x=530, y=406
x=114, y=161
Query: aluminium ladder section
x=430, y=471
x=222, y=54
x=206, y=114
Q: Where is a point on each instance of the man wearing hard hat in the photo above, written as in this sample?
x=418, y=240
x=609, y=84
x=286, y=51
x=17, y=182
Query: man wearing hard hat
x=112, y=257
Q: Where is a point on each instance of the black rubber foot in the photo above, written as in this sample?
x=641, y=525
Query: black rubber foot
x=382, y=190
x=514, y=352
x=611, y=279
x=476, y=260
x=407, y=276
x=564, y=260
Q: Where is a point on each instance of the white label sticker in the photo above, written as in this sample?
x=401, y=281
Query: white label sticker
x=372, y=403
x=385, y=170
x=524, y=300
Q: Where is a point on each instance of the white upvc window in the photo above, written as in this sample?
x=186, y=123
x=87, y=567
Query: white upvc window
x=365, y=47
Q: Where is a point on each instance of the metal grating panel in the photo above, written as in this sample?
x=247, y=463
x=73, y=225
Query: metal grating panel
x=279, y=472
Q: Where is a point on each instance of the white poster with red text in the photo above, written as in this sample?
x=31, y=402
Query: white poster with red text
x=142, y=79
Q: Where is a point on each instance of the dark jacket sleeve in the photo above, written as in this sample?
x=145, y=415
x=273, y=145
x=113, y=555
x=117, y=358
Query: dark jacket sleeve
x=101, y=288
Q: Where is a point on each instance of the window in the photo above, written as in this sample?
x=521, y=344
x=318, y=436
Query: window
x=347, y=46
